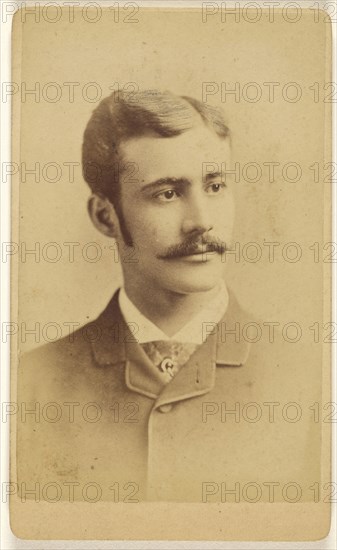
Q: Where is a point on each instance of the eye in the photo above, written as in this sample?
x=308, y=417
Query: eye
x=167, y=196
x=214, y=188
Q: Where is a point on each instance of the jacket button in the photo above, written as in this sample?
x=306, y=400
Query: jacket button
x=165, y=408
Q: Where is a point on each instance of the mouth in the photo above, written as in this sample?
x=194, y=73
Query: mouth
x=202, y=255
x=202, y=250
x=198, y=252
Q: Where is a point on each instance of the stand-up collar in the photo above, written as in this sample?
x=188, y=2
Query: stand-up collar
x=115, y=344
x=190, y=333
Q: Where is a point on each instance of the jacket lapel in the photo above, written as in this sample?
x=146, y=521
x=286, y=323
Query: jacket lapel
x=232, y=347
x=197, y=377
x=113, y=344
x=109, y=335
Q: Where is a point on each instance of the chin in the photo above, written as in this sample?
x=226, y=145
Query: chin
x=193, y=284
x=194, y=289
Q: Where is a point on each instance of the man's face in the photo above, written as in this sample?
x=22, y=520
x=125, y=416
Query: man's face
x=177, y=209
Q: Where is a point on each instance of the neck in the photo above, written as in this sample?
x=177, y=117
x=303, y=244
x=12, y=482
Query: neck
x=168, y=310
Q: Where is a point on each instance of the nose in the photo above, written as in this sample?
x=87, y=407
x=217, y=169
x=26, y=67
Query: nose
x=197, y=217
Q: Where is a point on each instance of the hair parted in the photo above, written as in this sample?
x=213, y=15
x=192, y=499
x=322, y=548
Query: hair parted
x=125, y=115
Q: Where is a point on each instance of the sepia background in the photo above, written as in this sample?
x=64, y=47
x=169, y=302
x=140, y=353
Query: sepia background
x=174, y=50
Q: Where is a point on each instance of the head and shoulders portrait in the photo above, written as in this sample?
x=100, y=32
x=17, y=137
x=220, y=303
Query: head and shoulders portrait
x=193, y=370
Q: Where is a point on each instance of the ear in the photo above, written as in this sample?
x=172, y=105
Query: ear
x=103, y=215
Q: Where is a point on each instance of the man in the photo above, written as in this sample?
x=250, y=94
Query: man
x=167, y=395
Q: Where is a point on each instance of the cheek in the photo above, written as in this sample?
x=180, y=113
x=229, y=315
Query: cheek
x=232, y=209
x=230, y=205
x=161, y=222
x=158, y=232
x=149, y=230
x=225, y=212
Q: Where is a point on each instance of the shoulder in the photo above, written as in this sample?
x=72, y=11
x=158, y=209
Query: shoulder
x=55, y=363
x=74, y=346
x=279, y=358
x=69, y=360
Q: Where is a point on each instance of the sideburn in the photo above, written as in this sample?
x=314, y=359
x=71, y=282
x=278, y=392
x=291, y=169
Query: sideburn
x=122, y=223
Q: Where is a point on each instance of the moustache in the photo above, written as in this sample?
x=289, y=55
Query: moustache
x=194, y=247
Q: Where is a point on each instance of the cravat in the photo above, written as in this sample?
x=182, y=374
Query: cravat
x=168, y=356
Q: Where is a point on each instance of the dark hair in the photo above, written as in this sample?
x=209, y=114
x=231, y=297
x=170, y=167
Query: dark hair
x=124, y=115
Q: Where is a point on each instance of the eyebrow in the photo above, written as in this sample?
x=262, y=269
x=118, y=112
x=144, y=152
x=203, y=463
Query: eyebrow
x=211, y=175
x=165, y=181
x=177, y=181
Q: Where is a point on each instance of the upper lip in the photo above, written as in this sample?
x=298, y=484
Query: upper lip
x=201, y=250
x=194, y=249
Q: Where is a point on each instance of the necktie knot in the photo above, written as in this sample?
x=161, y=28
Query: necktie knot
x=168, y=356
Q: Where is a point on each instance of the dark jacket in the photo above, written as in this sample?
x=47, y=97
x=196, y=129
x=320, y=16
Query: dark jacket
x=235, y=417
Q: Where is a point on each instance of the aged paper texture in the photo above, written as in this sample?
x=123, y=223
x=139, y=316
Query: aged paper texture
x=171, y=270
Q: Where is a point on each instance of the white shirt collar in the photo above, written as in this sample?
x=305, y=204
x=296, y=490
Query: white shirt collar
x=192, y=332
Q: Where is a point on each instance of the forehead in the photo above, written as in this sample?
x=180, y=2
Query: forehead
x=175, y=156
